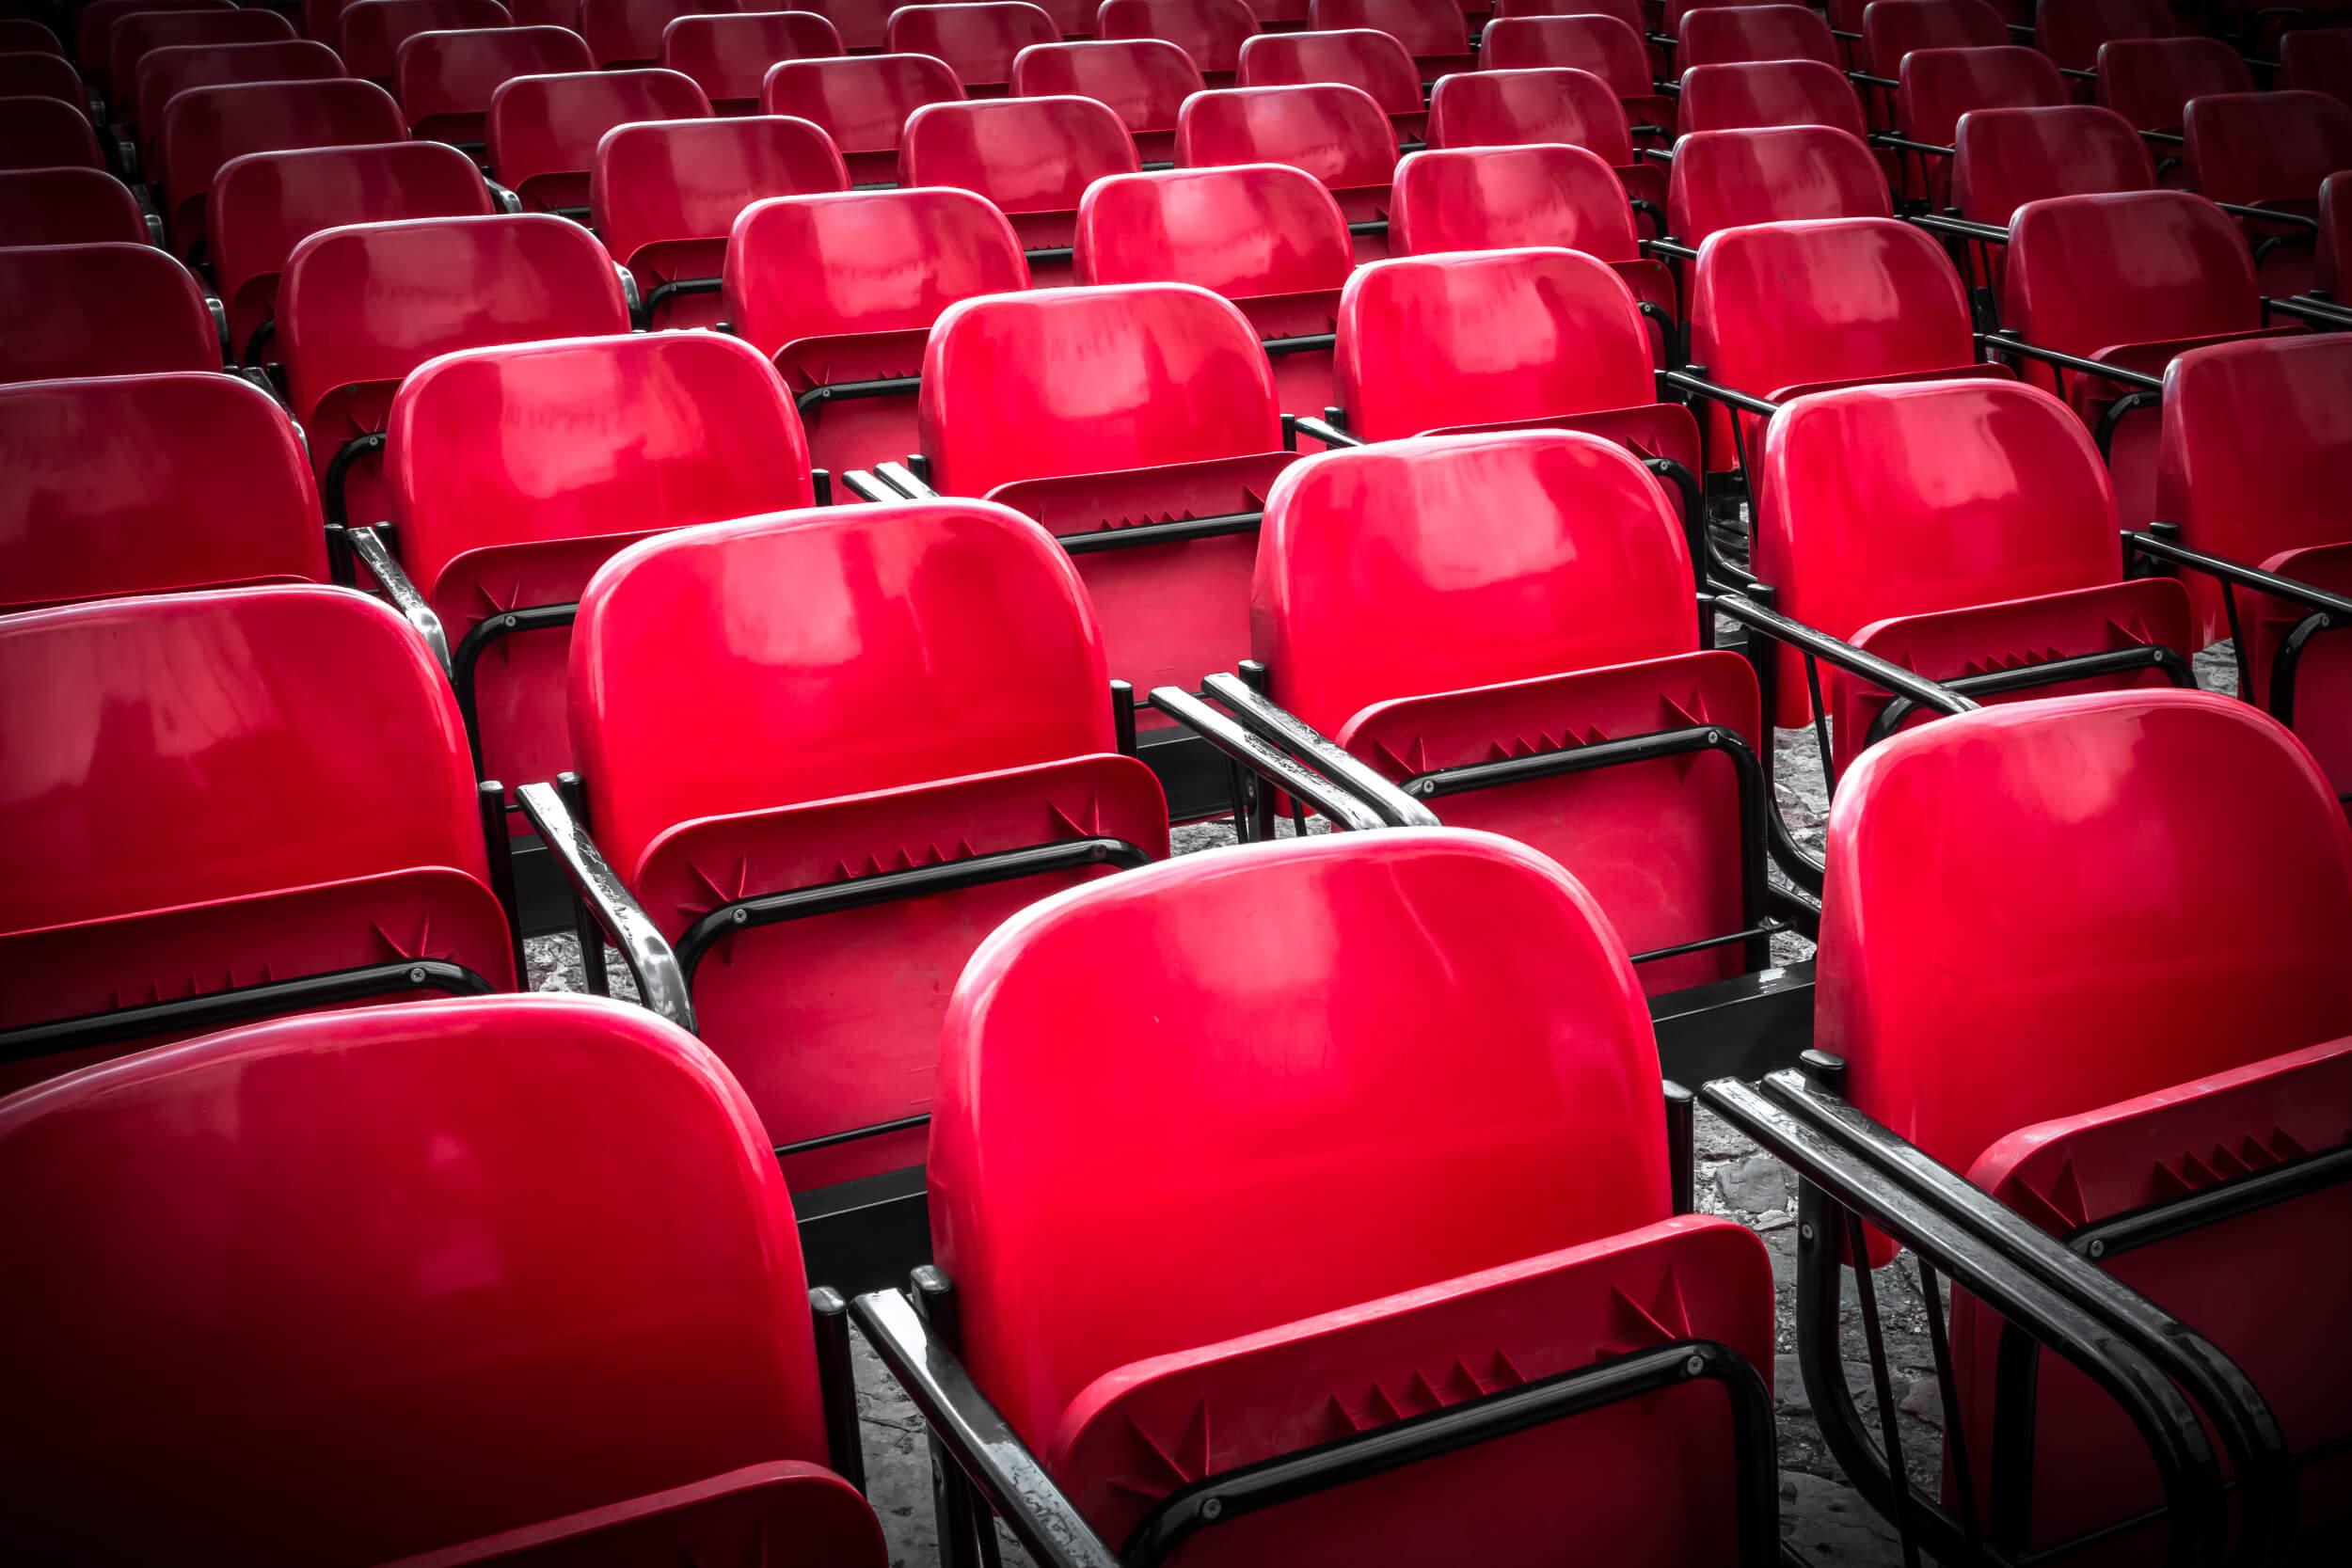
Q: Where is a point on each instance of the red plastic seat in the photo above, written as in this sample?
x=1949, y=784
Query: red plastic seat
x=163, y=73
x=1767, y=93
x=2071, y=31
x=952, y=702
x=1502, y=197
x=1094, y=409
x=859, y=23
x=516, y=471
x=266, y=203
x=2096, y=1077
x=43, y=132
x=361, y=308
x=1728, y=35
x=666, y=194
x=2150, y=81
x=1939, y=86
x=2335, y=233
x=101, y=309
x=1601, y=44
x=37, y=73
x=628, y=32
x=23, y=33
x=68, y=206
x=205, y=488
x=205, y=127
x=2005, y=158
x=2130, y=279
x=371, y=31
x=1461, y=1259
x=135, y=35
x=221, y=806
x=1893, y=29
x=1335, y=132
x=1356, y=56
x=1953, y=528
x=728, y=56
x=1432, y=31
x=842, y=292
x=446, y=80
x=1724, y=179
x=2269, y=149
x=1514, y=108
x=2313, y=59
x=542, y=131
x=1266, y=236
x=1143, y=81
x=1213, y=32
x=862, y=103
x=977, y=39
x=94, y=22
x=593, y=1302
x=1628, y=11
x=1033, y=158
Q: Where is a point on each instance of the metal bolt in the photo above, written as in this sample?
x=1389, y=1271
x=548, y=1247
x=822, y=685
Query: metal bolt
x=738, y=915
x=1714, y=737
x=513, y=620
x=1694, y=1366
x=1212, y=1509
x=1805, y=1232
x=416, y=975
x=2098, y=1248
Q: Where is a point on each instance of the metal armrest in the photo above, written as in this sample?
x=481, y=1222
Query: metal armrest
x=2006, y=342
x=677, y=287
x=1653, y=155
x=902, y=478
x=508, y=202
x=1820, y=644
x=1267, y=760
x=2072, y=72
x=1326, y=431
x=634, y=301
x=1693, y=381
x=2167, y=138
x=367, y=546
x=866, y=487
x=1267, y=719
x=661, y=983
x=1670, y=248
x=1967, y=229
x=2156, y=547
x=2293, y=220
x=1888, y=138
x=1865, y=79
x=2304, y=308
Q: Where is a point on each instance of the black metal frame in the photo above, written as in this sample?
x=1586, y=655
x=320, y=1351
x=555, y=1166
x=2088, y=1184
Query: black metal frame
x=2141, y=390
x=2328, y=611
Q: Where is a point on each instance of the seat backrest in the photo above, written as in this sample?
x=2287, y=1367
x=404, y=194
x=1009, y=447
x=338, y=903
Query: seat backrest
x=594, y=1290
x=2193, y=807
x=1941, y=84
x=1628, y=11
x=818, y=267
x=1024, y=155
x=1572, y=559
x=2335, y=232
x=366, y=304
x=371, y=31
x=578, y=438
x=2088, y=273
x=205, y=127
x=1723, y=34
x=1512, y=108
x=1893, y=29
x=1601, y=44
x=1213, y=32
x=850, y=650
x=728, y=55
x=2004, y=158
x=2150, y=81
x=1487, y=337
x=45, y=133
x=68, y=206
x=1084, y=381
x=1724, y=179
x=859, y=23
x=628, y=32
x=1335, y=132
x=2071, y=31
x=1673, y=11
x=1761, y=93
x=1357, y=57
x=2313, y=59
x=238, y=707
x=1245, y=231
x=2258, y=146
x=138, y=34
x=38, y=73
x=687, y=180
x=1143, y=81
x=1428, y=29
x=861, y=102
x=1499, y=198
x=446, y=80
x=205, y=485
x=23, y=34
x=115, y=309
x=548, y=126
x=2257, y=435
x=977, y=39
x=163, y=72
x=1305, y=1079
x=1781, y=305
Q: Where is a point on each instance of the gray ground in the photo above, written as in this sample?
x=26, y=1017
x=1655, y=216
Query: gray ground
x=1820, y=1514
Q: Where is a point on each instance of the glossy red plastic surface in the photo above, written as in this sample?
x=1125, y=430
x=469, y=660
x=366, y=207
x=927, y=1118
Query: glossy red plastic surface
x=2004, y=158
x=2334, y=248
x=1432, y=31
x=101, y=309
x=2150, y=81
x=141, y=33
x=1601, y=44
x=22, y=33
x=1724, y=35
x=263, y=204
x=1768, y=94
x=2269, y=149
x=844, y=288
x=1338, y=134
x=1628, y=11
x=446, y=80
x=1724, y=179
x=977, y=39
x=1143, y=81
x=901, y=685
x=37, y=73
x=859, y=23
x=316, y=824
x=68, y=206
x=542, y=131
x=43, y=132
x=592, y=1289
x=628, y=32
x=2071, y=31
x=862, y=103
x=728, y=56
x=371, y=31
x=2316, y=59
x=205, y=127
x=163, y=72
x=128, y=484
x=1213, y=32
x=1893, y=29
x=1513, y=108
x=94, y=22
x=1357, y=57
x=1941, y=84
x=1314, y=1096
x=1032, y=158
x=665, y=195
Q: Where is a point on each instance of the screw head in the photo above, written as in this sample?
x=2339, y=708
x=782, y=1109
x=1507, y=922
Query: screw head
x=739, y=915
x=416, y=975
x=2098, y=1248
x=1805, y=1232
x=513, y=620
x=1212, y=1509
x=1694, y=1366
